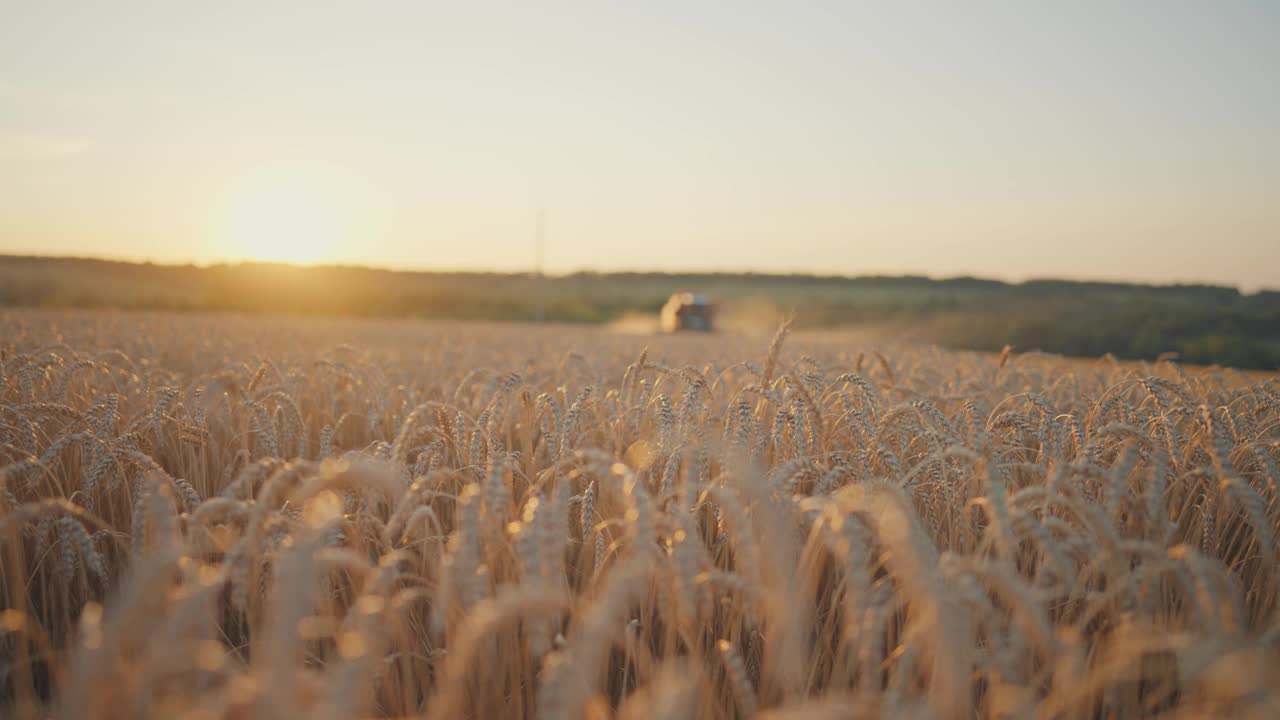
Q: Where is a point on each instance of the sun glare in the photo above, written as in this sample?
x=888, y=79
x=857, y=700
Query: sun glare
x=286, y=219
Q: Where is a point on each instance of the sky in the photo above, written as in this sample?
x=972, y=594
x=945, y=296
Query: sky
x=1134, y=141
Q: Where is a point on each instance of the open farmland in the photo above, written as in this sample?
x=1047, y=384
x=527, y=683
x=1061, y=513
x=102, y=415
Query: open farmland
x=209, y=516
x=1204, y=324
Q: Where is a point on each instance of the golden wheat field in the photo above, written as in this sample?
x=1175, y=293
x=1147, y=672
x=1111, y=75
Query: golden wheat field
x=223, y=517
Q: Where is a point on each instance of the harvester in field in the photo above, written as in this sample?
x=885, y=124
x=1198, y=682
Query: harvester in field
x=687, y=311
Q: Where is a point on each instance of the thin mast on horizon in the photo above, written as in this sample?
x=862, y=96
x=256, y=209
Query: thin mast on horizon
x=539, y=247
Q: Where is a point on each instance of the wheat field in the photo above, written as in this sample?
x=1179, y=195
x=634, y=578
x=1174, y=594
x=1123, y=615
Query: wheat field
x=225, y=517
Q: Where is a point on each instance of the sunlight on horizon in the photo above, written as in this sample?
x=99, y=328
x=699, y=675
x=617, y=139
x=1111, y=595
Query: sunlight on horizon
x=286, y=218
x=1004, y=140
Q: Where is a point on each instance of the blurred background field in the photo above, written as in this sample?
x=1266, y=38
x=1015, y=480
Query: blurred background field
x=1202, y=324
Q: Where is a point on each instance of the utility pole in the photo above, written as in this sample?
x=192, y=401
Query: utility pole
x=539, y=247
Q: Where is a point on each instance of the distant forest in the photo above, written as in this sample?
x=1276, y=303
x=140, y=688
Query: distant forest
x=1202, y=324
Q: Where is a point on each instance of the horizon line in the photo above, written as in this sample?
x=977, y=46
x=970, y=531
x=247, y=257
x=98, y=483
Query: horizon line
x=584, y=270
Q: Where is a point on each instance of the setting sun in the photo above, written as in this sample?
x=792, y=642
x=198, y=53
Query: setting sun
x=286, y=219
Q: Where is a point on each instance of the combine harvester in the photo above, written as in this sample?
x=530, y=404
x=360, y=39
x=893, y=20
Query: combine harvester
x=687, y=311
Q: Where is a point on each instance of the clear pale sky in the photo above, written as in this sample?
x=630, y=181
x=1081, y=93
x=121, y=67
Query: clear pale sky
x=1118, y=140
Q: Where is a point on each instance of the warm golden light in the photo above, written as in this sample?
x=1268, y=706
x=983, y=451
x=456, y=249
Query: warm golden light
x=286, y=219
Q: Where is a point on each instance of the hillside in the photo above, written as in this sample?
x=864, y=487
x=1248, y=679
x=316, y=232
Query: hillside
x=1203, y=324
